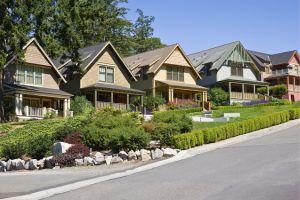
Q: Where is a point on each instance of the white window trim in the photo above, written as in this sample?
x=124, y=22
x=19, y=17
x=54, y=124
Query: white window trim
x=106, y=66
x=25, y=83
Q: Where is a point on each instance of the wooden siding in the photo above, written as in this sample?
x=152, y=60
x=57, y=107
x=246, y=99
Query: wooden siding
x=177, y=58
x=50, y=79
x=294, y=60
x=122, y=77
x=34, y=56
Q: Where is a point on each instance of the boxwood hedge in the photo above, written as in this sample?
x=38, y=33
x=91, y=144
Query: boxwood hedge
x=251, y=106
x=210, y=135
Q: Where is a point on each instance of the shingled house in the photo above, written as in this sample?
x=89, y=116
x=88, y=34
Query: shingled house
x=167, y=72
x=231, y=67
x=32, y=87
x=102, y=77
x=280, y=68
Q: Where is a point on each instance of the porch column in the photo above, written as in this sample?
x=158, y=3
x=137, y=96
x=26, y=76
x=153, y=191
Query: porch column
x=65, y=107
x=112, y=99
x=170, y=95
x=268, y=92
x=18, y=104
x=142, y=103
x=254, y=92
x=294, y=84
x=203, y=99
x=69, y=104
x=229, y=90
x=287, y=82
x=243, y=90
x=127, y=101
x=95, y=98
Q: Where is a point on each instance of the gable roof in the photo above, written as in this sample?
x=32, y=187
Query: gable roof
x=154, y=59
x=33, y=40
x=88, y=55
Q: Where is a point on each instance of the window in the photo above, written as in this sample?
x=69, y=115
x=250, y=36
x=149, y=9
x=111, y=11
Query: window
x=144, y=74
x=30, y=75
x=106, y=74
x=236, y=71
x=175, y=73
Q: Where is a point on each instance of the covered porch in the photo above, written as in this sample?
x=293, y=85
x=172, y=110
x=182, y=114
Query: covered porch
x=107, y=95
x=243, y=90
x=31, y=102
x=181, y=93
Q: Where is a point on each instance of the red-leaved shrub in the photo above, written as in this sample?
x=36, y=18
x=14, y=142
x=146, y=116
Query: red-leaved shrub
x=64, y=160
x=78, y=150
x=73, y=138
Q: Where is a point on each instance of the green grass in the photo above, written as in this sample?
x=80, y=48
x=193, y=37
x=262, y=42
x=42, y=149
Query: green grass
x=246, y=113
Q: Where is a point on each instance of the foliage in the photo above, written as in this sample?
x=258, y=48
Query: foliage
x=73, y=138
x=277, y=90
x=253, y=105
x=80, y=105
x=182, y=106
x=50, y=115
x=218, y=96
x=78, y=150
x=180, y=111
x=65, y=160
x=152, y=103
x=209, y=135
x=4, y=128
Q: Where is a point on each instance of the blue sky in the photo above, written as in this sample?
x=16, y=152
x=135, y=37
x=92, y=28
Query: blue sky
x=269, y=26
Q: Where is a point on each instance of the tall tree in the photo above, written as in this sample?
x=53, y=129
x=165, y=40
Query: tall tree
x=142, y=34
x=14, y=30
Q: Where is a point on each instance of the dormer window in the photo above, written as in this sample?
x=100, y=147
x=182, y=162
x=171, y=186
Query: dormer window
x=236, y=71
x=106, y=74
x=29, y=75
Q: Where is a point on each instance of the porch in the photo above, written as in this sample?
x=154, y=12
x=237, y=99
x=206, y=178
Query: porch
x=181, y=93
x=112, y=96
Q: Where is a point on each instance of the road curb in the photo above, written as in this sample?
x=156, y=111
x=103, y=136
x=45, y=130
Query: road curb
x=180, y=156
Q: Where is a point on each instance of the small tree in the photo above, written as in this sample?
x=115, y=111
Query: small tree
x=218, y=96
x=152, y=103
x=277, y=90
x=80, y=105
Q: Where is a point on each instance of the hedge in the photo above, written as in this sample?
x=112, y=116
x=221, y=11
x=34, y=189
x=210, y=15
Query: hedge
x=183, y=111
x=211, y=135
x=252, y=106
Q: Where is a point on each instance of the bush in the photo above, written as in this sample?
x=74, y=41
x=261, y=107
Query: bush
x=180, y=111
x=50, y=115
x=218, y=96
x=64, y=160
x=78, y=150
x=73, y=138
x=284, y=102
x=80, y=105
x=152, y=103
x=210, y=135
x=165, y=132
x=4, y=128
x=277, y=90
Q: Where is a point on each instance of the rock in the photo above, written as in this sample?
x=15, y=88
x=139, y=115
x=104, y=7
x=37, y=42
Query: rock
x=9, y=165
x=169, y=152
x=138, y=154
x=60, y=147
x=26, y=165
x=132, y=155
x=49, y=162
x=2, y=166
x=88, y=161
x=56, y=167
x=145, y=155
x=123, y=155
x=17, y=164
x=98, y=158
x=157, y=154
x=33, y=164
x=108, y=159
x=41, y=163
x=79, y=162
x=116, y=159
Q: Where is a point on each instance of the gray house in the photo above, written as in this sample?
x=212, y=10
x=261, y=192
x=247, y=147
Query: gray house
x=230, y=67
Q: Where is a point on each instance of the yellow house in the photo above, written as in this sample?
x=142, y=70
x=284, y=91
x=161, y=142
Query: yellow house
x=102, y=77
x=32, y=87
x=167, y=72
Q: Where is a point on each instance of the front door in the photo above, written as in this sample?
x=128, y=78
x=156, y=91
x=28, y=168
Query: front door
x=292, y=98
x=47, y=103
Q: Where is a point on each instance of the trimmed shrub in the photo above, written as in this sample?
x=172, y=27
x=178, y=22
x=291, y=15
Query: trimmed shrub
x=64, y=160
x=218, y=96
x=152, y=103
x=210, y=135
x=78, y=150
x=80, y=105
x=183, y=111
x=251, y=106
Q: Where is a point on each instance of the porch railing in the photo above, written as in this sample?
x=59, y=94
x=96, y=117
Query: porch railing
x=285, y=71
x=118, y=106
x=37, y=112
x=239, y=95
x=183, y=101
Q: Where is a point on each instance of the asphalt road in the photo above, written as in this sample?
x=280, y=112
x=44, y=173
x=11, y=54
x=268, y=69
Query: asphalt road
x=266, y=168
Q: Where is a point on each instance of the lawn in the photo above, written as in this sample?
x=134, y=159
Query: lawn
x=246, y=113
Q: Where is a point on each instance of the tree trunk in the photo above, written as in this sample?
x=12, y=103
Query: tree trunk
x=1, y=95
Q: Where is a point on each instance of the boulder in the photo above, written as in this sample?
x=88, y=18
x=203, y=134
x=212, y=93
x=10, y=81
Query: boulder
x=9, y=165
x=60, y=147
x=33, y=164
x=138, y=154
x=26, y=165
x=98, y=158
x=169, y=152
x=41, y=163
x=132, y=155
x=116, y=159
x=17, y=164
x=123, y=155
x=49, y=162
x=88, y=161
x=108, y=159
x=79, y=162
x=145, y=155
x=157, y=154
x=2, y=166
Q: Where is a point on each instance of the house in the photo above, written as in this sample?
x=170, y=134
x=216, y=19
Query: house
x=102, y=77
x=280, y=68
x=167, y=72
x=231, y=67
x=32, y=87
